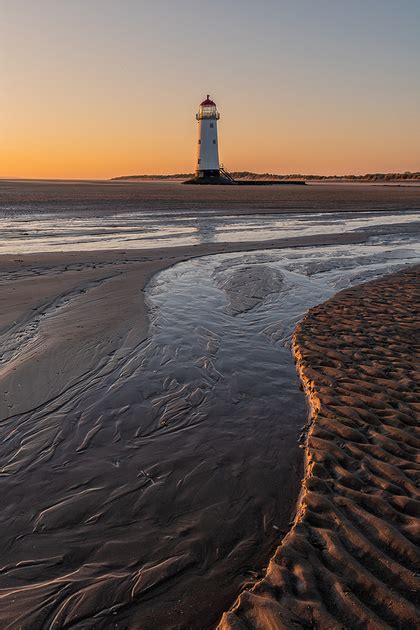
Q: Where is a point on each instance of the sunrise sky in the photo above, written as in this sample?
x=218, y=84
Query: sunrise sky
x=100, y=88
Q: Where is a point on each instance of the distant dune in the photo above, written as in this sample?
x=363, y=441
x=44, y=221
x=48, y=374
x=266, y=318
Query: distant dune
x=369, y=177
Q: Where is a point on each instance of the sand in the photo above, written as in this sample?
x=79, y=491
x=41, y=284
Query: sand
x=101, y=198
x=62, y=313
x=350, y=558
x=71, y=542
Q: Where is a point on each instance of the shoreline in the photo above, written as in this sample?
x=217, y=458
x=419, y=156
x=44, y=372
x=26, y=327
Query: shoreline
x=63, y=313
x=92, y=279
x=97, y=198
x=349, y=557
x=172, y=179
x=104, y=319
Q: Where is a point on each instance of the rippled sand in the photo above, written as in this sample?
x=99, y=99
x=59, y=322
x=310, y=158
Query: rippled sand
x=148, y=473
x=351, y=558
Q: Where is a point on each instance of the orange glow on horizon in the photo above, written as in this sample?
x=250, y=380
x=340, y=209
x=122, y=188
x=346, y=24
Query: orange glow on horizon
x=57, y=149
x=94, y=93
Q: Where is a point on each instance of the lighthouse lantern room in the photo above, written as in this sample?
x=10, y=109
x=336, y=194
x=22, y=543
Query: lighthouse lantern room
x=207, y=150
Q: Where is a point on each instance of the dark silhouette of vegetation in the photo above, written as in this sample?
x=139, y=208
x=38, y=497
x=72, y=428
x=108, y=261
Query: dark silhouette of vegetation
x=244, y=175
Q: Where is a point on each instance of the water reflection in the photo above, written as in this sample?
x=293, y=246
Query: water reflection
x=55, y=232
x=159, y=484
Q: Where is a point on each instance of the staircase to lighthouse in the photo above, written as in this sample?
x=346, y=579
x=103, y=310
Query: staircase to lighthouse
x=208, y=170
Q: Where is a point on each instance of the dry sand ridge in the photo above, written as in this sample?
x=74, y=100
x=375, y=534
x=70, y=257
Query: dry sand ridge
x=350, y=559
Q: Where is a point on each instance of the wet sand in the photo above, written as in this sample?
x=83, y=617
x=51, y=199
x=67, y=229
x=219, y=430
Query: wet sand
x=53, y=217
x=85, y=495
x=83, y=462
x=61, y=314
x=350, y=559
x=102, y=198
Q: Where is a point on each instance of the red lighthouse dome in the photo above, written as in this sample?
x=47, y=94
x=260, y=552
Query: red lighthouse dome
x=208, y=101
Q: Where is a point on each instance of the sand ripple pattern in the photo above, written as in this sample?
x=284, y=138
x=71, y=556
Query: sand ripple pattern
x=350, y=559
x=145, y=494
x=150, y=490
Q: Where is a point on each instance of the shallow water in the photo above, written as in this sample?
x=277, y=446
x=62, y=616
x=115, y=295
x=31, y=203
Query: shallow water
x=153, y=489
x=53, y=232
x=39, y=216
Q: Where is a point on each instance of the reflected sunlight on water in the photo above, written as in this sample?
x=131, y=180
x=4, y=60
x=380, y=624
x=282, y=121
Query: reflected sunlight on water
x=55, y=233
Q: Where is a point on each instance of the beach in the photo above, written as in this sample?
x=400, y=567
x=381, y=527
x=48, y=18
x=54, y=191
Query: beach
x=93, y=287
x=148, y=476
x=350, y=558
x=209, y=266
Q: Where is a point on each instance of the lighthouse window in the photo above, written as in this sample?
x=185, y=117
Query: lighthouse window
x=199, y=141
x=211, y=125
x=214, y=141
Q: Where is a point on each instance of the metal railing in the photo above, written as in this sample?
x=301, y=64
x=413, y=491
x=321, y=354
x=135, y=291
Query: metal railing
x=207, y=112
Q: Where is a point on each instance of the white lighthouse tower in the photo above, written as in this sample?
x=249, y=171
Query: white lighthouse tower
x=208, y=166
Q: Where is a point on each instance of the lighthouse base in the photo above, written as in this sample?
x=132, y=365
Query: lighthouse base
x=210, y=177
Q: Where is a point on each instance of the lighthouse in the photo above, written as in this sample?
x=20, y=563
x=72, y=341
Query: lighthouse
x=207, y=148
x=208, y=169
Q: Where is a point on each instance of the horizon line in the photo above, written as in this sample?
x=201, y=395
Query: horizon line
x=398, y=174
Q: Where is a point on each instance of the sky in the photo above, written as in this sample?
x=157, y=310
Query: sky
x=102, y=88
